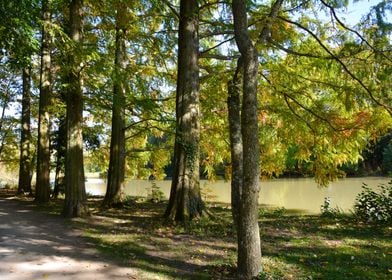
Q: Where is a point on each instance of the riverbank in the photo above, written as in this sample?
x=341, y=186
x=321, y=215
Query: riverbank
x=298, y=247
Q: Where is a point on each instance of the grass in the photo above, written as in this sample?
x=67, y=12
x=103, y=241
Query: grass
x=293, y=246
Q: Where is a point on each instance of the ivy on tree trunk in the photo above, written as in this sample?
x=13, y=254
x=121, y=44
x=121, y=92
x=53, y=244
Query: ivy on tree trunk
x=185, y=200
x=75, y=193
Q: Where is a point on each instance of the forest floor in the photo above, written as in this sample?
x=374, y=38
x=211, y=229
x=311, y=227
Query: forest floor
x=37, y=245
x=134, y=242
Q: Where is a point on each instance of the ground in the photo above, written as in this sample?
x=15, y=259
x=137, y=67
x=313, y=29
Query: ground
x=35, y=245
x=135, y=242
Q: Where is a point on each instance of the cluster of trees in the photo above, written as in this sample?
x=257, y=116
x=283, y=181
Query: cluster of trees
x=131, y=86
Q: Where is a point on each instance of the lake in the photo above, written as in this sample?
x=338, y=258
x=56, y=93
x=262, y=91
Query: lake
x=301, y=194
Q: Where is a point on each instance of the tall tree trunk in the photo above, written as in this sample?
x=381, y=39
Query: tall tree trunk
x=185, y=200
x=61, y=147
x=75, y=192
x=115, y=187
x=234, y=109
x=42, y=193
x=248, y=234
x=249, y=251
x=24, y=184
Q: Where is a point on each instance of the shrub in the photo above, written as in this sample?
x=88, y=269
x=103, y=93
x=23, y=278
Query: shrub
x=374, y=206
x=155, y=194
x=327, y=210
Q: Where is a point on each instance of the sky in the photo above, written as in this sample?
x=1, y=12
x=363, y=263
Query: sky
x=357, y=9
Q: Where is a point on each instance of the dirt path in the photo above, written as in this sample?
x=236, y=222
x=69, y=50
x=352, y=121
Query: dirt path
x=35, y=245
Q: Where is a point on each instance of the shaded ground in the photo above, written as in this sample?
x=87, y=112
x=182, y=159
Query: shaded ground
x=36, y=245
x=135, y=243
x=131, y=243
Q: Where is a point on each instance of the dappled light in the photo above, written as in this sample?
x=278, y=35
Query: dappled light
x=37, y=246
x=195, y=139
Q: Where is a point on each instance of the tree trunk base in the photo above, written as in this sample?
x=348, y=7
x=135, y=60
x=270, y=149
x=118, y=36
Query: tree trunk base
x=76, y=209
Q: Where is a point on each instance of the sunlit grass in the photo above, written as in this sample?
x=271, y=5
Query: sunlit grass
x=293, y=246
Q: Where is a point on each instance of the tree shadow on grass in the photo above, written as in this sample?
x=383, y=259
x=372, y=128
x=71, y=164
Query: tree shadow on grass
x=329, y=248
x=145, y=241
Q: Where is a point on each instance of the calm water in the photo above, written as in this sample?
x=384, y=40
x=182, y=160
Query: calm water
x=299, y=194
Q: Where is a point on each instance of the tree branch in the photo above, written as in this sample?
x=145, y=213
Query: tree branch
x=174, y=11
x=216, y=46
x=344, y=66
x=289, y=51
x=352, y=30
x=209, y=4
x=265, y=32
x=218, y=56
x=216, y=33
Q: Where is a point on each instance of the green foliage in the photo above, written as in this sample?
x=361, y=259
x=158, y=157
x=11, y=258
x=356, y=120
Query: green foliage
x=374, y=206
x=272, y=212
x=154, y=193
x=328, y=211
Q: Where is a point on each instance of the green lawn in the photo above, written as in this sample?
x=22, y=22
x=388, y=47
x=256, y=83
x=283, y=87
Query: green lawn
x=293, y=246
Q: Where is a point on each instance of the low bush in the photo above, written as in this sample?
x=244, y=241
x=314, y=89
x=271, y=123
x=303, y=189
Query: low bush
x=328, y=211
x=374, y=206
x=154, y=193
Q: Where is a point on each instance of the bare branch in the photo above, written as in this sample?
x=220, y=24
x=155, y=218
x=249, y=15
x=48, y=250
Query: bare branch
x=218, y=56
x=216, y=46
x=297, y=7
x=216, y=33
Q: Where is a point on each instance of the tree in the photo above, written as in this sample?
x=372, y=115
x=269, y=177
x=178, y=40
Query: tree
x=75, y=192
x=249, y=251
x=61, y=147
x=236, y=148
x=115, y=186
x=185, y=200
x=248, y=234
x=25, y=173
x=42, y=194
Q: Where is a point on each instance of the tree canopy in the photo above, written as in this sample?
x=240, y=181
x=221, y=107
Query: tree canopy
x=142, y=90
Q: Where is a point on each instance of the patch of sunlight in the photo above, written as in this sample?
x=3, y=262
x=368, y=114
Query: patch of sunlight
x=278, y=269
x=4, y=250
x=45, y=264
x=23, y=211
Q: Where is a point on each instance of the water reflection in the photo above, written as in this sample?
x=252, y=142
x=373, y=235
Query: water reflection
x=301, y=194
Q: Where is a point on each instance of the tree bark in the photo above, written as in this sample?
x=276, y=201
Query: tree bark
x=236, y=149
x=61, y=147
x=24, y=184
x=42, y=193
x=185, y=200
x=75, y=193
x=249, y=251
x=248, y=233
x=115, y=186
